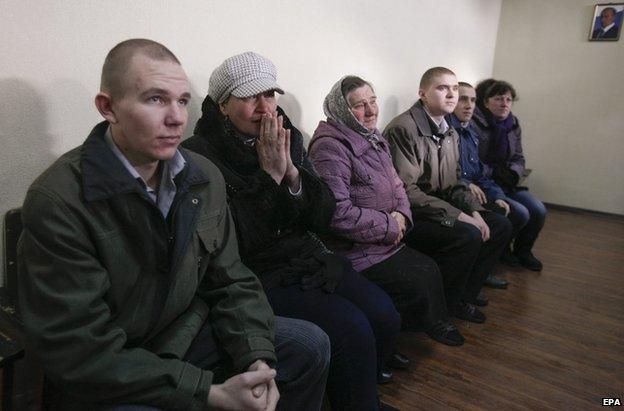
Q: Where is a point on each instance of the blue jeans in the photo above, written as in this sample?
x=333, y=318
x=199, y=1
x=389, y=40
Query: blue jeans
x=362, y=325
x=303, y=353
x=527, y=216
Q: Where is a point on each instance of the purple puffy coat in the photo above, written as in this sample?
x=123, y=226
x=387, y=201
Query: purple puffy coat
x=366, y=188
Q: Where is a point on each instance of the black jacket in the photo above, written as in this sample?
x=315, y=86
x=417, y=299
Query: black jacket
x=274, y=228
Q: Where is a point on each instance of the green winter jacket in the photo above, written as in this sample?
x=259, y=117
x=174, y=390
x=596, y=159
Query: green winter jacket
x=112, y=293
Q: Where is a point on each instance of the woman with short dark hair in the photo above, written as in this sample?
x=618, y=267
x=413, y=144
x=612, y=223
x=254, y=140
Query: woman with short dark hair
x=500, y=149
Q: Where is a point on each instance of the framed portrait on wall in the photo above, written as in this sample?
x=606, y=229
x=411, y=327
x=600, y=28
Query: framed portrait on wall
x=607, y=22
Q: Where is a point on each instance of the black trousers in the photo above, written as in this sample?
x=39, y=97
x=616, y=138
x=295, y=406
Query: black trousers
x=413, y=282
x=464, y=259
x=362, y=325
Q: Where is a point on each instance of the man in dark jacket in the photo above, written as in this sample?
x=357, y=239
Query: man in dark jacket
x=131, y=288
x=473, y=171
x=449, y=223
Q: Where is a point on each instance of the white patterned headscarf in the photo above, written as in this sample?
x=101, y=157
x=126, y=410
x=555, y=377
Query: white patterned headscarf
x=337, y=108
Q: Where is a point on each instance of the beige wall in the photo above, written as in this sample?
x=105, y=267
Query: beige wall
x=52, y=52
x=571, y=104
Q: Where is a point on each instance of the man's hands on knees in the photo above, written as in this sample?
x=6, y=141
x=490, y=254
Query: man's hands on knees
x=268, y=390
x=503, y=204
x=252, y=390
x=482, y=226
x=477, y=221
x=478, y=193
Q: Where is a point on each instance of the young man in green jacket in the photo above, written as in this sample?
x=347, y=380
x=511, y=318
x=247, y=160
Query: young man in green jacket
x=130, y=287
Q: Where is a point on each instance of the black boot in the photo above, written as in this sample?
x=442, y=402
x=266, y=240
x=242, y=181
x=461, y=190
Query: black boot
x=528, y=260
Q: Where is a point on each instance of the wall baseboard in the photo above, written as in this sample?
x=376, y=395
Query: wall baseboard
x=582, y=210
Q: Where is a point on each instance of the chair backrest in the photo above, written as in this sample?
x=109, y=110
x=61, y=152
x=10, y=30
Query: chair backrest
x=12, y=231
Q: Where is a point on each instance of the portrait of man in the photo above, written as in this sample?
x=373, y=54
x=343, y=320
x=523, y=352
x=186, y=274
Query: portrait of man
x=607, y=22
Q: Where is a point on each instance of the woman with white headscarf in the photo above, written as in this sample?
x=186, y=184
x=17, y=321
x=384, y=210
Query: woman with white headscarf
x=372, y=210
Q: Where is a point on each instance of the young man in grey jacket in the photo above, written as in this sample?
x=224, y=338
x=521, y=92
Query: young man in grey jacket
x=449, y=223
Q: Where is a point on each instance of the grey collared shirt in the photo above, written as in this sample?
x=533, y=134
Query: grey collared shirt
x=168, y=170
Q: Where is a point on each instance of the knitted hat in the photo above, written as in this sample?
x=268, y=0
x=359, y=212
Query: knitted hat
x=243, y=75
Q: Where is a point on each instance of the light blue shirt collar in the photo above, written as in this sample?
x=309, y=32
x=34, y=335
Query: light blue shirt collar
x=170, y=168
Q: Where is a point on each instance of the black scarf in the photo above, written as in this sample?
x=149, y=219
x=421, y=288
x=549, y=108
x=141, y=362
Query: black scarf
x=498, y=150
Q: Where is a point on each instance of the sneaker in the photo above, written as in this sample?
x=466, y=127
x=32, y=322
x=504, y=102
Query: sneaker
x=446, y=333
x=494, y=282
x=528, y=260
x=469, y=312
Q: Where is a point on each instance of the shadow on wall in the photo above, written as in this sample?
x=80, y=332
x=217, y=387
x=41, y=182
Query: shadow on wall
x=26, y=145
x=389, y=110
x=291, y=106
x=72, y=113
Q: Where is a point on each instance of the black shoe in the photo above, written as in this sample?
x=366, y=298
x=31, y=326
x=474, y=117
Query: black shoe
x=494, y=282
x=384, y=376
x=446, y=333
x=529, y=261
x=398, y=361
x=469, y=312
x=508, y=258
x=481, y=300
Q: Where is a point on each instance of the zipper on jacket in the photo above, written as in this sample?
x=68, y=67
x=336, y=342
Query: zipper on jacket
x=439, y=141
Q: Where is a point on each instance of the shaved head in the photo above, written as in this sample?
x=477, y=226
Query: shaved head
x=119, y=59
x=431, y=74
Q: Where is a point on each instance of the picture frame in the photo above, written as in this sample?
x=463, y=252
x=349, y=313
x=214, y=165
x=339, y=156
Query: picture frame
x=606, y=23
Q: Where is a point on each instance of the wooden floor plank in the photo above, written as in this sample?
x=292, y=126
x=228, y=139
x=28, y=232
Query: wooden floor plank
x=553, y=340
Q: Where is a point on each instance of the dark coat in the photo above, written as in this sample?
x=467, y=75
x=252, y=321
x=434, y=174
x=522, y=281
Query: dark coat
x=273, y=227
x=473, y=169
x=429, y=167
x=112, y=294
x=515, y=157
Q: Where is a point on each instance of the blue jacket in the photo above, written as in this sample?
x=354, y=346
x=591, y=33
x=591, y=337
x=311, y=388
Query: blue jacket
x=472, y=169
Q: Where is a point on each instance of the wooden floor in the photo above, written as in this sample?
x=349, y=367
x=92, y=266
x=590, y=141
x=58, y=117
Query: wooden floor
x=553, y=340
